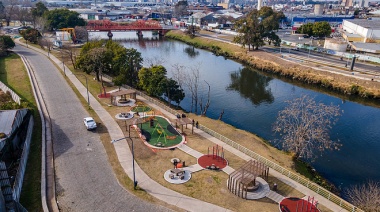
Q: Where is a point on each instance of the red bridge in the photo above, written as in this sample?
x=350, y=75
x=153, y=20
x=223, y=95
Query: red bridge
x=107, y=25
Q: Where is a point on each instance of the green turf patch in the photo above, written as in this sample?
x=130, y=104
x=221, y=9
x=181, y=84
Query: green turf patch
x=159, y=131
x=141, y=109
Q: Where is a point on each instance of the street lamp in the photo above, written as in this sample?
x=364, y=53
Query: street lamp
x=311, y=42
x=63, y=63
x=133, y=159
x=88, y=96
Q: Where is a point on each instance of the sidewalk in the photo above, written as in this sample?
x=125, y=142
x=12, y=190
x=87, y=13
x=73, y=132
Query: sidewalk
x=125, y=156
x=322, y=200
x=145, y=182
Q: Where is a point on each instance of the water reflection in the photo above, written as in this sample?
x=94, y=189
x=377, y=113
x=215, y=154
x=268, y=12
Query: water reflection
x=191, y=51
x=251, y=85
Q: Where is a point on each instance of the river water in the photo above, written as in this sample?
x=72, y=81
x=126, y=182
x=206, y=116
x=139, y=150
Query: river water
x=251, y=101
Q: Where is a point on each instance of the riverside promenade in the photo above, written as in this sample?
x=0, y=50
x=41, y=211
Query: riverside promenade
x=152, y=187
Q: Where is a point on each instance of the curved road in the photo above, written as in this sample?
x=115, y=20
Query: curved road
x=84, y=178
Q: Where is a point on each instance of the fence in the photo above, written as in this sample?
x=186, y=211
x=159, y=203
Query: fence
x=296, y=177
x=15, y=97
x=23, y=160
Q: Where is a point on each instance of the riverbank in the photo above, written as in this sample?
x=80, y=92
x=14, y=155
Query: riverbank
x=273, y=64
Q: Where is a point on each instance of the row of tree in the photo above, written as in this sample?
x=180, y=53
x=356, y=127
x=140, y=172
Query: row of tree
x=318, y=29
x=38, y=15
x=125, y=66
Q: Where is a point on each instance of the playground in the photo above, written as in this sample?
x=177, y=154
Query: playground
x=158, y=132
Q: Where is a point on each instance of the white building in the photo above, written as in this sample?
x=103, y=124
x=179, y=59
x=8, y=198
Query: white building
x=362, y=30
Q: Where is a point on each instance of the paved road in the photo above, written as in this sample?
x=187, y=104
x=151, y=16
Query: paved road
x=363, y=67
x=84, y=178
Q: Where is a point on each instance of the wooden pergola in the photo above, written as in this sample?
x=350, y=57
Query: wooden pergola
x=184, y=121
x=123, y=94
x=240, y=179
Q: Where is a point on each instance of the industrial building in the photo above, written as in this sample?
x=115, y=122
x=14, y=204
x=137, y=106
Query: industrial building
x=298, y=21
x=362, y=34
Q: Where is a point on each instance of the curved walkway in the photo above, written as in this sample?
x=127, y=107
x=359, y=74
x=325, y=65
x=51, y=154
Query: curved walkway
x=160, y=192
x=94, y=203
x=84, y=178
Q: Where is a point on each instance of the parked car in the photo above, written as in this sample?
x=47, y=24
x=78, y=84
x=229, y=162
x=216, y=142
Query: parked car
x=287, y=33
x=296, y=49
x=90, y=123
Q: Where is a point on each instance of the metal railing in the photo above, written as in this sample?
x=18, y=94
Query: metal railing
x=296, y=177
x=15, y=97
x=17, y=186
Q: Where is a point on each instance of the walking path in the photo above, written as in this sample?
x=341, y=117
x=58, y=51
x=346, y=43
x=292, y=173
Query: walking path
x=124, y=154
x=154, y=188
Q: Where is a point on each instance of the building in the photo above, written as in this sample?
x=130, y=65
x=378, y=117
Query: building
x=15, y=133
x=361, y=30
x=298, y=21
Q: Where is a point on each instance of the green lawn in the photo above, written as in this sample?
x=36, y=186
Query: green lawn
x=161, y=132
x=141, y=109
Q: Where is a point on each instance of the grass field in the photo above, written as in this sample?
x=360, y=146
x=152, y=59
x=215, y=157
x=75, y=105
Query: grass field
x=160, y=132
x=141, y=108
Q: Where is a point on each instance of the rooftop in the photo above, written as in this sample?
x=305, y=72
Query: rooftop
x=369, y=24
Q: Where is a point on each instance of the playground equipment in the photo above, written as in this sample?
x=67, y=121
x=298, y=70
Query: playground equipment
x=160, y=131
x=217, y=152
x=294, y=204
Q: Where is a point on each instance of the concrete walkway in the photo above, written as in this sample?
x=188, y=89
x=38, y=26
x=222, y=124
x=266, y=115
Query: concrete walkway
x=125, y=156
x=322, y=200
x=157, y=190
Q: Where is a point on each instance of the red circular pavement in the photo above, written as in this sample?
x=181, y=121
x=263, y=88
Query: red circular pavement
x=294, y=204
x=208, y=160
x=108, y=95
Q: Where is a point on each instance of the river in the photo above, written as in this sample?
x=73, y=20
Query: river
x=251, y=101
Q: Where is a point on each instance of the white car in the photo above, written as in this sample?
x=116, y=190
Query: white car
x=89, y=123
x=287, y=33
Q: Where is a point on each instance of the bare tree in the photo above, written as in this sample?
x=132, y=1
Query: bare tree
x=70, y=51
x=304, y=126
x=10, y=7
x=81, y=33
x=207, y=105
x=365, y=196
x=155, y=61
x=192, y=79
x=178, y=74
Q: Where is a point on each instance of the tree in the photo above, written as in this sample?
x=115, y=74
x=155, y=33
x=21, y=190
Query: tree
x=63, y=18
x=173, y=92
x=256, y=25
x=38, y=11
x=306, y=29
x=9, y=8
x=2, y=10
x=153, y=80
x=132, y=65
x=6, y=43
x=304, y=126
x=180, y=9
x=321, y=29
x=81, y=33
x=94, y=57
x=31, y=35
x=365, y=196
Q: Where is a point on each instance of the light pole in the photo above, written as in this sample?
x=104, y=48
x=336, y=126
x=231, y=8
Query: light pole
x=133, y=159
x=311, y=42
x=63, y=63
x=88, y=96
